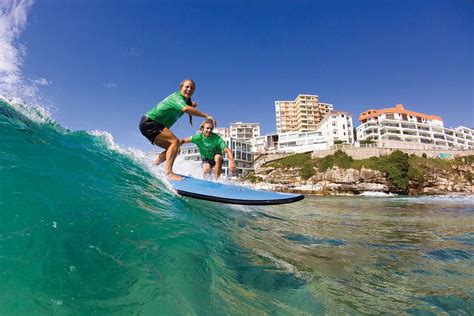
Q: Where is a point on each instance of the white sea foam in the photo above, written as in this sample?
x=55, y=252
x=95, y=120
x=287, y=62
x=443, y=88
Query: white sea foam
x=468, y=199
x=138, y=156
x=188, y=168
x=35, y=112
x=377, y=194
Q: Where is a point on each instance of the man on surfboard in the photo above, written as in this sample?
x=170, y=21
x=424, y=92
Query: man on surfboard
x=155, y=124
x=211, y=148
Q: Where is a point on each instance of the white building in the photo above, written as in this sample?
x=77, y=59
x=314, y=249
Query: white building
x=289, y=142
x=242, y=151
x=222, y=131
x=397, y=127
x=245, y=131
x=301, y=142
x=265, y=143
x=337, y=126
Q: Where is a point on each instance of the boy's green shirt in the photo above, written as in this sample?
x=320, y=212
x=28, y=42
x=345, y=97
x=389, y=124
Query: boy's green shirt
x=209, y=146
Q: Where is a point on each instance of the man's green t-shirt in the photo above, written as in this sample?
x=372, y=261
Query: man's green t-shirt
x=209, y=146
x=168, y=111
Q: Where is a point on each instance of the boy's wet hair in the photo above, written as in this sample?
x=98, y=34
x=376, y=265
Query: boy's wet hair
x=208, y=122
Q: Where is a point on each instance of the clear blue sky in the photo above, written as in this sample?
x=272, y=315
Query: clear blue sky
x=108, y=62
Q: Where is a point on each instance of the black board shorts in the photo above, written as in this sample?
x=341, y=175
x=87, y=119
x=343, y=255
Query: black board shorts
x=150, y=129
x=211, y=162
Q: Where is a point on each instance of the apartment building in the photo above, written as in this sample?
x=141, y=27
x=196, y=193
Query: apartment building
x=245, y=131
x=301, y=141
x=242, y=151
x=222, y=131
x=289, y=142
x=265, y=143
x=395, y=127
x=337, y=126
x=301, y=115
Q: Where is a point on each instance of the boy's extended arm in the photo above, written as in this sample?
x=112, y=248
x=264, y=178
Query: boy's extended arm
x=231, y=159
x=185, y=140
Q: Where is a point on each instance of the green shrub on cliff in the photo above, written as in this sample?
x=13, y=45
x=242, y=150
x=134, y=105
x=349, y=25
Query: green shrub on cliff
x=340, y=159
x=430, y=163
x=416, y=174
x=326, y=163
x=396, y=166
x=302, y=161
x=307, y=171
x=466, y=159
x=293, y=161
x=468, y=176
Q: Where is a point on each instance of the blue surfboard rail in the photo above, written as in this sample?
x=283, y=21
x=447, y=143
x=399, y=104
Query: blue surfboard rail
x=231, y=194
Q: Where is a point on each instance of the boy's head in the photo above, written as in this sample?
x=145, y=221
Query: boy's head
x=207, y=127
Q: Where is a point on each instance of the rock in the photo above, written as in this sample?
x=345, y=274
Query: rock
x=352, y=181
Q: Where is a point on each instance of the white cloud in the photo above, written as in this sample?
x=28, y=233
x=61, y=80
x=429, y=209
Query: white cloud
x=41, y=82
x=111, y=85
x=13, y=19
x=134, y=51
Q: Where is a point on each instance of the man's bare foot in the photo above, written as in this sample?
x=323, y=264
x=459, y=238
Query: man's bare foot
x=174, y=177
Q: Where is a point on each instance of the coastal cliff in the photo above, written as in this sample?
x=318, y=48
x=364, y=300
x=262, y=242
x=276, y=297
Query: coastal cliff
x=339, y=174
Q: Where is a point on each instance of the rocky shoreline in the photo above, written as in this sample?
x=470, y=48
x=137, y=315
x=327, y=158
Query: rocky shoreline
x=338, y=181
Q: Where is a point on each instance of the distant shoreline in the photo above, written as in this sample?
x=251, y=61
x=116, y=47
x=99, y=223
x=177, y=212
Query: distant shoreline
x=340, y=174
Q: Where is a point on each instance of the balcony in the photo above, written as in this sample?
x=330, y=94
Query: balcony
x=389, y=125
x=389, y=119
x=423, y=129
x=393, y=131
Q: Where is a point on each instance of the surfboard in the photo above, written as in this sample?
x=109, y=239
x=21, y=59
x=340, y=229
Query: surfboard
x=230, y=193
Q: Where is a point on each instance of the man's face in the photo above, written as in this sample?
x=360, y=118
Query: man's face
x=207, y=129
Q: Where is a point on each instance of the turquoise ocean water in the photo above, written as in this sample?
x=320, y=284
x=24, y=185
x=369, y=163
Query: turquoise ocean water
x=89, y=228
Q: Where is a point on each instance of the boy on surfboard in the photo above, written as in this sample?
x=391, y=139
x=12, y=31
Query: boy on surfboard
x=211, y=148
